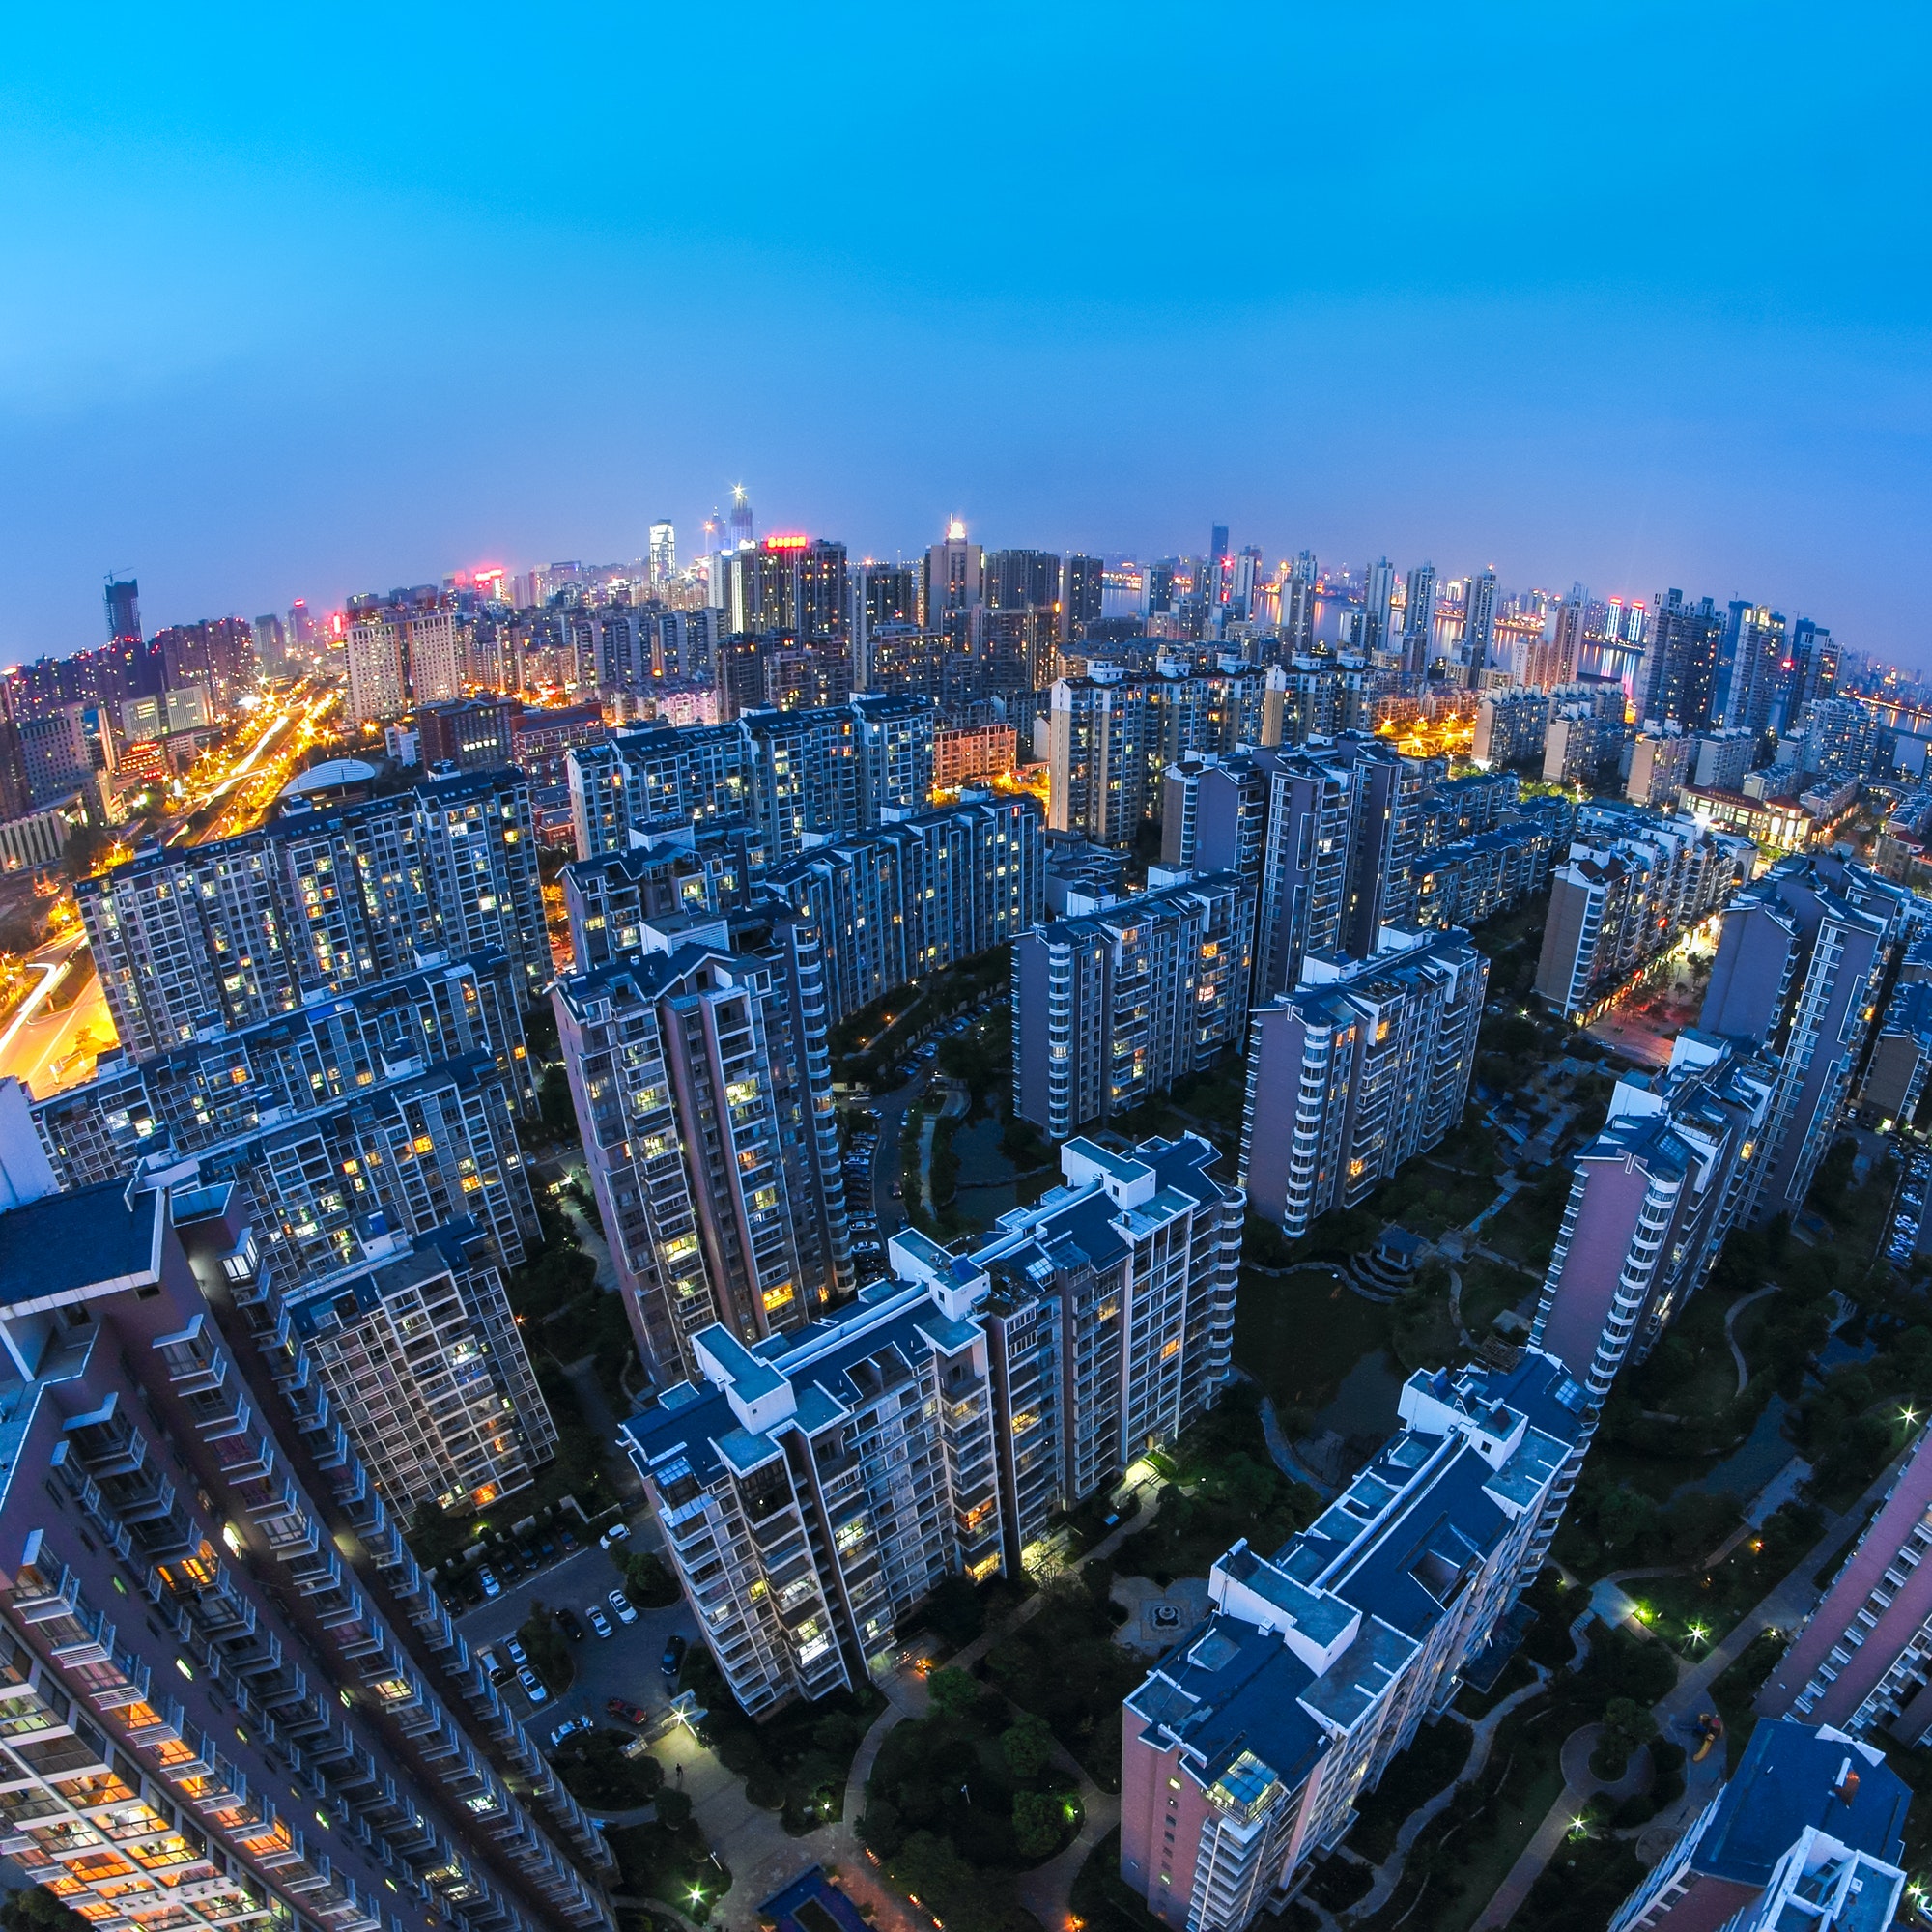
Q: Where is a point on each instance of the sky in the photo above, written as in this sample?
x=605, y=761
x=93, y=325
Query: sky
x=306, y=300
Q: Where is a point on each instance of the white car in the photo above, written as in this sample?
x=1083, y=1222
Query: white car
x=533, y=1686
x=599, y=1622
x=569, y=1729
x=626, y=1610
x=491, y=1586
x=616, y=1535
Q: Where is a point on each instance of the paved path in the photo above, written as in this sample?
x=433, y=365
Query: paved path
x=1286, y=1461
x=1580, y=1785
x=1731, y=1315
x=1388, y=1874
x=1783, y=1608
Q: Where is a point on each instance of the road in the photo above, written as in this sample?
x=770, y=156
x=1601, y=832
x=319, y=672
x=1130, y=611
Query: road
x=52, y=1050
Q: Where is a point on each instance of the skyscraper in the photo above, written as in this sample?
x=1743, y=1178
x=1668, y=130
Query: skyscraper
x=951, y=574
x=1418, y=620
x=1479, y=620
x=662, y=552
x=1684, y=642
x=741, y=531
x=124, y=610
x=1081, y=595
x=1378, y=605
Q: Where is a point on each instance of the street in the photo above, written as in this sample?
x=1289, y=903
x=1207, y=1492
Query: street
x=52, y=1050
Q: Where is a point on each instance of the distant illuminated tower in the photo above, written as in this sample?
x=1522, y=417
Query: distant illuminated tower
x=951, y=574
x=740, y=514
x=714, y=534
x=1379, y=602
x=664, y=553
x=1479, y=620
x=1418, y=620
x=123, y=609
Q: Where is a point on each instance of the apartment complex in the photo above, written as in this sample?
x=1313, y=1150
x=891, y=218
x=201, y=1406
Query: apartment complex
x=1112, y=1006
x=1244, y=1751
x=1801, y=961
x=1807, y=1831
x=233, y=1696
x=914, y=897
x=1365, y=1065
x=1511, y=730
x=701, y=1079
x=196, y=939
x=796, y=776
x=1632, y=886
x=813, y=1487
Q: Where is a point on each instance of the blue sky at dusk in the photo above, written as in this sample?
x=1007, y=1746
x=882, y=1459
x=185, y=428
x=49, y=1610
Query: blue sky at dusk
x=309, y=301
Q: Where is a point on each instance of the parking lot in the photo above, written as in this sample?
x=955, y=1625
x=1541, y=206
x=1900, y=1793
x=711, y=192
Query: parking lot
x=624, y=1664
x=1910, y=1234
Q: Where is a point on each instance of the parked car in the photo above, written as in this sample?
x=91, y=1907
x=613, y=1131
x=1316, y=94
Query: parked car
x=615, y=1534
x=518, y=1654
x=569, y=1729
x=673, y=1660
x=493, y=1664
x=626, y=1610
x=532, y=1685
x=599, y=1622
x=627, y=1714
x=491, y=1586
x=569, y=1623
x=569, y=1541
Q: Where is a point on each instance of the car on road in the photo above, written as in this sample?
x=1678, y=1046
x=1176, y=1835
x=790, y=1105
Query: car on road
x=569, y=1729
x=533, y=1687
x=626, y=1610
x=673, y=1660
x=569, y=1623
x=627, y=1713
x=491, y=1586
x=615, y=1534
x=599, y=1622
x=516, y=1653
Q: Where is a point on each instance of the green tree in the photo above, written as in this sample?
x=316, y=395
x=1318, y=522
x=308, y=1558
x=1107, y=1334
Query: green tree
x=953, y=1692
x=1028, y=1746
x=1038, y=1818
x=1626, y=1518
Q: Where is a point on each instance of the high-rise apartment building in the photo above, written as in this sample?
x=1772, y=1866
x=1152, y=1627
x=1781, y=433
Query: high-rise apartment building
x=1244, y=1751
x=663, y=553
x=189, y=938
x=1628, y=889
x=1083, y=588
x=1683, y=658
x=702, y=1084
x=1418, y=628
x=1096, y=756
x=912, y=899
x=1479, y=621
x=374, y=654
x=123, y=599
x=1862, y=1660
x=296, y=1733
x=952, y=575
x=1364, y=1066
x=815, y=1489
x=1801, y=961
x=1809, y=1831
x=1113, y=1006
x=1512, y=729
x=1724, y=757
x=1378, y=605
x=1751, y=656
x=1660, y=768
x=55, y=757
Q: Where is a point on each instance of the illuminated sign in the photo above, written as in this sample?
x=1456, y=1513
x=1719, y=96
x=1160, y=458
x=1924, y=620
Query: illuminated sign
x=787, y=540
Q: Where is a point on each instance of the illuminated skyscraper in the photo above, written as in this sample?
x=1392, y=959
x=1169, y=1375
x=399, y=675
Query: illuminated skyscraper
x=1479, y=620
x=1418, y=620
x=951, y=574
x=1081, y=594
x=664, y=553
x=740, y=514
x=1380, y=599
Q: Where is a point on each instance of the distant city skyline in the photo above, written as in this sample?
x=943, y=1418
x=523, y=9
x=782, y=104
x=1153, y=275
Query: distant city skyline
x=262, y=336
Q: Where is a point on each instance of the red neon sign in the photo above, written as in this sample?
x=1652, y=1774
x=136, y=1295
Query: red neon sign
x=787, y=540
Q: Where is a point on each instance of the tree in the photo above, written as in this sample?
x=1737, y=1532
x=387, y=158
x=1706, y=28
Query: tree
x=1038, y=1817
x=1626, y=1518
x=953, y=1692
x=1028, y=1746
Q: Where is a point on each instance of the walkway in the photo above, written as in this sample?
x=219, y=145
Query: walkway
x=1782, y=1609
x=1388, y=1874
x=1283, y=1453
x=1731, y=1315
x=1580, y=1785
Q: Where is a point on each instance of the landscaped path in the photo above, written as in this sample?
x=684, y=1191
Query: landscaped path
x=1731, y=1315
x=1283, y=1453
x=1388, y=1874
x=1782, y=1609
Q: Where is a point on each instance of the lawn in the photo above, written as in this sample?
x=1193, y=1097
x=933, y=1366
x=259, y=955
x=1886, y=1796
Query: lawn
x=1427, y=1197
x=1526, y=1230
x=669, y=1859
x=1300, y=1335
x=1488, y=1289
